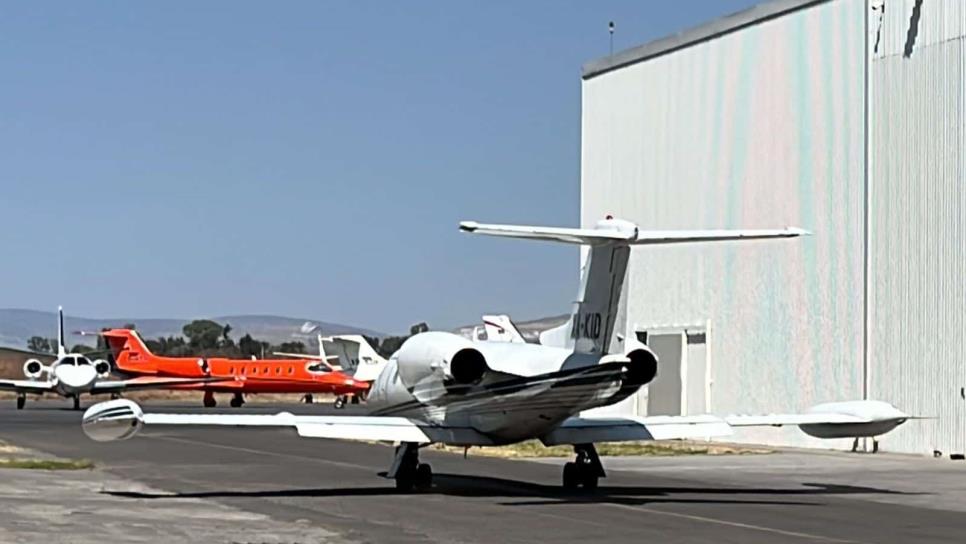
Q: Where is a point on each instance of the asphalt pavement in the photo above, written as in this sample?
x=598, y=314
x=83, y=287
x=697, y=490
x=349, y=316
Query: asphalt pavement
x=334, y=487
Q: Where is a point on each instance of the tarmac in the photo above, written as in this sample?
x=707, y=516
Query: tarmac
x=264, y=485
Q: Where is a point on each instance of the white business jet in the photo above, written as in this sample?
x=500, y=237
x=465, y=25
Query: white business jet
x=442, y=387
x=74, y=374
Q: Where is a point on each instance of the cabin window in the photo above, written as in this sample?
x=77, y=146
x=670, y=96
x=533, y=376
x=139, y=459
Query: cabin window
x=231, y=370
x=278, y=370
x=254, y=370
x=291, y=370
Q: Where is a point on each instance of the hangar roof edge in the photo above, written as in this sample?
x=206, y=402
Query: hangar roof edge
x=701, y=33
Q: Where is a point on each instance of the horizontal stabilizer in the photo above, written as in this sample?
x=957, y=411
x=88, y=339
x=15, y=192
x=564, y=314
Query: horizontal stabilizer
x=617, y=231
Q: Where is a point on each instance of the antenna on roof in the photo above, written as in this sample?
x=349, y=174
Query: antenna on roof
x=610, y=29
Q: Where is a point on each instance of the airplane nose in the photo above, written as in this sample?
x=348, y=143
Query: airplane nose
x=75, y=377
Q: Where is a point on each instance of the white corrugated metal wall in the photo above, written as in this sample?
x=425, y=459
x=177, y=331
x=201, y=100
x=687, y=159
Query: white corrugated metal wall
x=757, y=128
x=763, y=127
x=917, y=208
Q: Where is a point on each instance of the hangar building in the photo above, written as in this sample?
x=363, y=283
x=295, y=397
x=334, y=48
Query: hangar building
x=845, y=117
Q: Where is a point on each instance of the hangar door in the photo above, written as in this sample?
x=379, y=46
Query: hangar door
x=682, y=385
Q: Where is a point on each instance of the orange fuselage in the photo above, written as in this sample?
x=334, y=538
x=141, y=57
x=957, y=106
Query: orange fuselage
x=131, y=356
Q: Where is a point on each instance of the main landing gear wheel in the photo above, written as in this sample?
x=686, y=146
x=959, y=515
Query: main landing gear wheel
x=209, y=400
x=339, y=402
x=21, y=401
x=585, y=471
x=76, y=402
x=307, y=398
x=237, y=400
x=410, y=474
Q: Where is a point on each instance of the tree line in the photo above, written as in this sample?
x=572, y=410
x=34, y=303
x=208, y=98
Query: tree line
x=207, y=338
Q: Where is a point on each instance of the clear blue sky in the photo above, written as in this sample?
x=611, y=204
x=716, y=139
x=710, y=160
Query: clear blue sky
x=310, y=159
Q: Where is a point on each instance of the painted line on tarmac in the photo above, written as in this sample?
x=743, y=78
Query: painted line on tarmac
x=265, y=452
x=738, y=524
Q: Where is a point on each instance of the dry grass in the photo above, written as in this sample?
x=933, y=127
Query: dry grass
x=533, y=448
x=16, y=457
x=47, y=464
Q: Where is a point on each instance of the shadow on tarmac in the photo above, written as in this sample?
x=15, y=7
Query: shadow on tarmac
x=541, y=495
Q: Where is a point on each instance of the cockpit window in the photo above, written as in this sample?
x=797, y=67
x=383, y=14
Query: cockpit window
x=318, y=367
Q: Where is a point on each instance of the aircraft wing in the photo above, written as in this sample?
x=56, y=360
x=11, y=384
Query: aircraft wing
x=583, y=430
x=849, y=418
x=120, y=419
x=26, y=386
x=149, y=382
x=778, y=420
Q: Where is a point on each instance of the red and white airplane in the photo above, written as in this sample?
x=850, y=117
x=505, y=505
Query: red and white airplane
x=305, y=374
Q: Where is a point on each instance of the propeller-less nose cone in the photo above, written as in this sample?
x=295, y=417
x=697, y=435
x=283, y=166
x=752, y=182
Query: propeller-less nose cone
x=75, y=377
x=112, y=420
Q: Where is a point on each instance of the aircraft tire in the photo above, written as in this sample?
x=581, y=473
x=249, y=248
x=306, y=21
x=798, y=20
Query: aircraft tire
x=339, y=403
x=589, y=481
x=424, y=477
x=209, y=400
x=571, y=476
x=76, y=402
x=236, y=401
x=405, y=483
x=21, y=401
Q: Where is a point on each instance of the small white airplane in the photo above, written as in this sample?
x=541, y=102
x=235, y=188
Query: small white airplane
x=74, y=374
x=498, y=328
x=442, y=387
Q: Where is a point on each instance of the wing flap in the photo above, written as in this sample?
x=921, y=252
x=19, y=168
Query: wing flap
x=582, y=430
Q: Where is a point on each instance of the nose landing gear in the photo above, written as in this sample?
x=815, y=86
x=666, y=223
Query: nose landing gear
x=585, y=471
x=76, y=402
x=209, y=400
x=21, y=400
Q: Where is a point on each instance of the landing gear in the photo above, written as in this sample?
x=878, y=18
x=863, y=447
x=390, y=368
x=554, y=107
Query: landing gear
x=875, y=445
x=209, y=400
x=339, y=402
x=355, y=399
x=585, y=471
x=307, y=398
x=115, y=396
x=76, y=402
x=237, y=400
x=408, y=472
x=21, y=401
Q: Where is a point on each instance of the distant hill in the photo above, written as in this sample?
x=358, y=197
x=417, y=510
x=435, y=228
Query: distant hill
x=17, y=326
x=530, y=329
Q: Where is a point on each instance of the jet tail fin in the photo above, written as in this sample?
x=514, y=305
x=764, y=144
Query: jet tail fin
x=61, y=348
x=592, y=321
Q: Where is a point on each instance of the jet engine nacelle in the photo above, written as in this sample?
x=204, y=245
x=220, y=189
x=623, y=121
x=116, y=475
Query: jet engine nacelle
x=643, y=366
x=439, y=356
x=102, y=367
x=34, y=369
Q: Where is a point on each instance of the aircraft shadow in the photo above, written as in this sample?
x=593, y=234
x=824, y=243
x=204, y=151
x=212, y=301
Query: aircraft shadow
x=539, y=495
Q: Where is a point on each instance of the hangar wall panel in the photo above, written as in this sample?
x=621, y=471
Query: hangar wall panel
x=918, y=227
x=761, y=127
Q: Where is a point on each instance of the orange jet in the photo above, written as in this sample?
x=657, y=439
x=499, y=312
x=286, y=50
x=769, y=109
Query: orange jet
x=244, y=376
